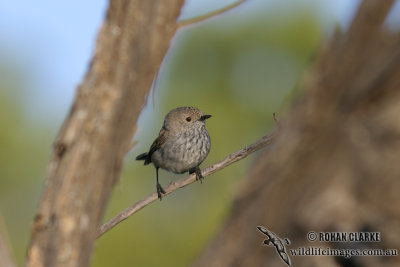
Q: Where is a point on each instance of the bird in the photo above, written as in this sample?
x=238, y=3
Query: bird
x=274, y=240
x=181, y=146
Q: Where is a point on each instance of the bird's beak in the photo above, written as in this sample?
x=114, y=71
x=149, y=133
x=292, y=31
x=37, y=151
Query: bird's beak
x=204, y=117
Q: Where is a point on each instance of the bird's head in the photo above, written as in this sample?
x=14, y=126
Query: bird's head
x=184, y=118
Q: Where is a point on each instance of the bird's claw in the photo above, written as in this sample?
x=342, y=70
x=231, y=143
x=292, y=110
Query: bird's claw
x=197, y=171
x=199, y=176
x=160, y=191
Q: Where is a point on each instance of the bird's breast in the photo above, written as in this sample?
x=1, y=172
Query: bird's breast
x=183, y=151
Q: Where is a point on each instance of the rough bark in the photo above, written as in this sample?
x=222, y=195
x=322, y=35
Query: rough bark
x=90, y=147
x=335, y=166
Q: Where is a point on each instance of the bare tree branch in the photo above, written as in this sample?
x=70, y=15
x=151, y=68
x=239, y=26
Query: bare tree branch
x=211, y=14
x=334, y=165
x=5, y=253
x=5, y=256
x=89, y=150
x=232, y=158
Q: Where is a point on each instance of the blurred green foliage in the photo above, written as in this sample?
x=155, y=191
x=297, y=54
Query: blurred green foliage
x=238, y=67
x=25, y=148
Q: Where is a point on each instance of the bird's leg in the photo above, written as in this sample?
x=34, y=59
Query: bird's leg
x=160, y=190
x=197, y=170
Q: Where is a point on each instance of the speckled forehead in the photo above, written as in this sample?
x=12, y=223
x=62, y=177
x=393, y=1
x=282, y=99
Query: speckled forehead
x=191, y=111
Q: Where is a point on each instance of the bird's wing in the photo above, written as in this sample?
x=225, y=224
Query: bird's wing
x=285, y=258
x=265, y=231
x=160, y=140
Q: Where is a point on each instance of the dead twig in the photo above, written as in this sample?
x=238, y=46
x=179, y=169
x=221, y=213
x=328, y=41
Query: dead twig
x=210, y=15
x=232, y=158
x=276, y=119
x=6, y=259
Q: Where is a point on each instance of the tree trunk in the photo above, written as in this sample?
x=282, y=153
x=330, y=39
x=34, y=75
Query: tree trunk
x=89, y=150
x=335, y=166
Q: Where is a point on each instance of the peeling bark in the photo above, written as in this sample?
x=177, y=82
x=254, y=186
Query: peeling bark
x=89, y=150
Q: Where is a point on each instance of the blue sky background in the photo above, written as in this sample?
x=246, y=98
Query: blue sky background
x=53, y=42
x=241, y=65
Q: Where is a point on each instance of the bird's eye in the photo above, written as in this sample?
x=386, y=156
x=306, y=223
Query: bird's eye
x=188, y=119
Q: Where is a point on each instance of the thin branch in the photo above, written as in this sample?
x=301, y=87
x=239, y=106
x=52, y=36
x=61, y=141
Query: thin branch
x=232, y=158
x=132, y=145
x=6, y=259
x=210, y=15
x=276, y=119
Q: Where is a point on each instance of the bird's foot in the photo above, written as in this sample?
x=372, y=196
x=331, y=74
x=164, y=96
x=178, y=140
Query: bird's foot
x=160, y=191
x=199, y=176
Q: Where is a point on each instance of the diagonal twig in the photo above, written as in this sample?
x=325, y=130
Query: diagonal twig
x=210, y=14
x=232, y=158
x=5, y=248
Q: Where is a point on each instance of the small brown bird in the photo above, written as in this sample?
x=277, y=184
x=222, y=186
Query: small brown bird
x=182, y=144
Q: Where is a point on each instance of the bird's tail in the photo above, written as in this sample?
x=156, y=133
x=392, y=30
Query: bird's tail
x=145, y=157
